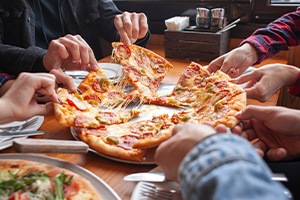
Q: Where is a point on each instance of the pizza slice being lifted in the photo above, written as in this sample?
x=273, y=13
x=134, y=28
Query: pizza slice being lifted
x=143, y=68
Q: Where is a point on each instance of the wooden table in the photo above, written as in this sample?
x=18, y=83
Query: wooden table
x=112, y=172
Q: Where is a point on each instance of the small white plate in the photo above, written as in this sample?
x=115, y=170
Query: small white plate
x=34, y=127
x=113, y=71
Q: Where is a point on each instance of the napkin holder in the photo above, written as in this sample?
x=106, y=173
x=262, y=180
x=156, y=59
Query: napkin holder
x=194, y=44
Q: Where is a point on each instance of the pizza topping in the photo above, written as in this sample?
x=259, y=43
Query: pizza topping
x=85, y=121
x=126, y=141
x=74, y=101
x=121, y=52
x=101, y=85
x=34, y=185
x=93, y=99
x=112, y=139
x=107, y=117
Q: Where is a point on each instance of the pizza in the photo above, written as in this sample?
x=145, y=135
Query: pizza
x=143, y=68
x=74, y=110
x=104, y=117
x=22, y=180
x=128, y=141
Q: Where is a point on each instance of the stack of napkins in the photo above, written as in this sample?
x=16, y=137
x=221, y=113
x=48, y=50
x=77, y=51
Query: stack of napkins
x=177, y=23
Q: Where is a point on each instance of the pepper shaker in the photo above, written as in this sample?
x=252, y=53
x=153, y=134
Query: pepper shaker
x=217, y=18
x=202, y=18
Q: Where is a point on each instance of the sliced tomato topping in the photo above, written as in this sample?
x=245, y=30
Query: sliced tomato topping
x=71, y=190
x=19, y=196
x=73, y=101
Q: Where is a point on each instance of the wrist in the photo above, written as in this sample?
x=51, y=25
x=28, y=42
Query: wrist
x=250, y=52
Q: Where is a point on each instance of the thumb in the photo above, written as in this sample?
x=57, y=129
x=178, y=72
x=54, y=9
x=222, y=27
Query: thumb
x=258, y=112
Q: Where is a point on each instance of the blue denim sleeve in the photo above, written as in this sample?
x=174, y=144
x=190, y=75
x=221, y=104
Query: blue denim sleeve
x=226, y=166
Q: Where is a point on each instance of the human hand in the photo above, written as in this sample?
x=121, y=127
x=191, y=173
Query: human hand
x=183, y=140
x=70, y=52
x=263, y=82
x=277, y=129
x=64, y=80
x=131, y=26
x=18, y=102
x=235, y=62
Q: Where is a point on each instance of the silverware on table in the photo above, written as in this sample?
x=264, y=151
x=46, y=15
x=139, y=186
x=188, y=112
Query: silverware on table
x=160, y=177
x=17, y=128
x=152, y=191
x=5, y=136
x=28, y=145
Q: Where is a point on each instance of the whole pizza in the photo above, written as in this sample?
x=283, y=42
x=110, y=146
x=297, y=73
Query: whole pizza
x=107, y=116
x=29, y=180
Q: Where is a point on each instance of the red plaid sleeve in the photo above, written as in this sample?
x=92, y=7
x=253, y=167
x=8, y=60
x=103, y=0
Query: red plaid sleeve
x=4, y=78
x=277, y=36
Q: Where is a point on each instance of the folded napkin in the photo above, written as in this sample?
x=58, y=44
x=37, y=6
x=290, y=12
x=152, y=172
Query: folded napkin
x=177, y=23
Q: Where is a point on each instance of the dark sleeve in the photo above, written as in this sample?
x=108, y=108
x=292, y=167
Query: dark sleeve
x=15, y=60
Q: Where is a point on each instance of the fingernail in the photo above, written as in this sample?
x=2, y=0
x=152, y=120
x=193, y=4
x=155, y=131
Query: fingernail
x=59, y=100
x=95, y=67
x=79, y=91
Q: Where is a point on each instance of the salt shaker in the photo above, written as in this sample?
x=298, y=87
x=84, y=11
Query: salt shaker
x=202, y=18
x=217, y=18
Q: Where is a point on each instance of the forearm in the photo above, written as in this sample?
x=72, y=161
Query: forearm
x=14, y=60
x=234, y=171
x=277, y=36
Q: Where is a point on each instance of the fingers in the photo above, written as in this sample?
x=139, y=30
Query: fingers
x=259, y=112
x=277, y=154
x=64, y=79
x=69, y=52
x=131, y=26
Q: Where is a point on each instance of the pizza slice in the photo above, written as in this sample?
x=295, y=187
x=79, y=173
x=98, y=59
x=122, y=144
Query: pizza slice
x=143, y=68
x=97, y=89
x=188, y=88
x=217, y=103
x=22, y=179
x=128, y=141
x=75, y=111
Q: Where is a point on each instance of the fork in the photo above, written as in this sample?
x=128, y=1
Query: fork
x=150, y=191
x=27, y=124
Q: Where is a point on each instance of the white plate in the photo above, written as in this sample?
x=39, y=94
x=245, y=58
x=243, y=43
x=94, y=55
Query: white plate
x=113, y=71
x=105, y=191
x=34, y=127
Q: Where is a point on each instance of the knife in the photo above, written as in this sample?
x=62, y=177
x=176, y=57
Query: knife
x=28, y=145
x=160, y=177
x=20, y=133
